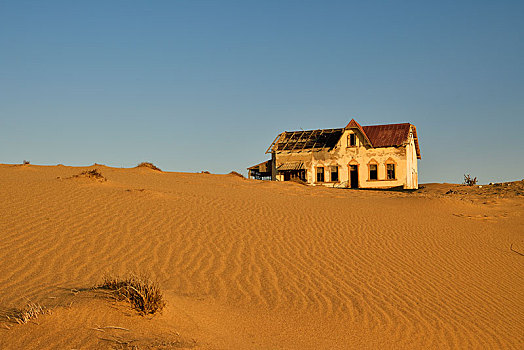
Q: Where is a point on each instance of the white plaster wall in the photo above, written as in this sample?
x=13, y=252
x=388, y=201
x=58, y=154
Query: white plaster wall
x=411, y=164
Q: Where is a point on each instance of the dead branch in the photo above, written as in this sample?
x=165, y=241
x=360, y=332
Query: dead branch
x=114, y=327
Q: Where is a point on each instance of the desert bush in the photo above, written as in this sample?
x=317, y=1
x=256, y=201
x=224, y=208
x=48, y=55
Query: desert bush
x=469, y=181
x=29, y=312
x=92, y=174
x=25, y=162
x=144, y=295
x=148, y=165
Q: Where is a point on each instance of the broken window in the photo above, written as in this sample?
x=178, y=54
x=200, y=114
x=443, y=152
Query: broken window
x=390, y=171
x=373, y=172
x=320, y=174
x=352, y=140
x=334, y=173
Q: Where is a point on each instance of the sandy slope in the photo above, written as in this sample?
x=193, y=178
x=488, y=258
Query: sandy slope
x=247, y=264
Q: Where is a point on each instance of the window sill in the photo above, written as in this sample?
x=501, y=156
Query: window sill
x=381, y=180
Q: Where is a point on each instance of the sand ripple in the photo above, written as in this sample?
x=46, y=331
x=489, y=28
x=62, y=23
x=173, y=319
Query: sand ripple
x=399, y=271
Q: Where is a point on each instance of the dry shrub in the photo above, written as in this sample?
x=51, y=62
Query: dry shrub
x=92, y=174
x=144, y=295
x=236, y=174
x=29, y=312
x=205, y=172
x=469, y=181
x=148, y=165
x=26, y=162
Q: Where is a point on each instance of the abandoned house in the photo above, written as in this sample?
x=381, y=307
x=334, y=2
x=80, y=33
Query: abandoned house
x=375, y=156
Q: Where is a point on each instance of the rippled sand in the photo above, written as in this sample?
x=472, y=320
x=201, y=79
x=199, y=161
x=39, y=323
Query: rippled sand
x=249, y=264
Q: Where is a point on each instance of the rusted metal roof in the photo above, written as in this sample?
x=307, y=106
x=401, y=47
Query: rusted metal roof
x=387, y=135
x=391, y=135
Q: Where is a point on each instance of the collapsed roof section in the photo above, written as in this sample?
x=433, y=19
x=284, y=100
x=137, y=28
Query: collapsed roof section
x=306, y=140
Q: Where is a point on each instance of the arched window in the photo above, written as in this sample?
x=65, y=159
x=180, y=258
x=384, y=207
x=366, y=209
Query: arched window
x=391, y=169
x=373, y=170
x=333, y=176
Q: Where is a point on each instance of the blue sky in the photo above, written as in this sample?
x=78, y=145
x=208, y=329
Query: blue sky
x=207, y=85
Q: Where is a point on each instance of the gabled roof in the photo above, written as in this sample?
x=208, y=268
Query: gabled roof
x=387, y=135
x=391, y=135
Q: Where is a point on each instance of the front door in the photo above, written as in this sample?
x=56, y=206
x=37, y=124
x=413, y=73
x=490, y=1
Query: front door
x=353, y=176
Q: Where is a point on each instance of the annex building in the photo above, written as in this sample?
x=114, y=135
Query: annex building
x=374, y=156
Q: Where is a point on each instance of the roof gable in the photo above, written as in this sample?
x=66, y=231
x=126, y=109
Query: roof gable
x=354, y=125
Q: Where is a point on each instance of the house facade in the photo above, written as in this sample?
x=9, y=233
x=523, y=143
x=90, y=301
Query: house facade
x=375, y=156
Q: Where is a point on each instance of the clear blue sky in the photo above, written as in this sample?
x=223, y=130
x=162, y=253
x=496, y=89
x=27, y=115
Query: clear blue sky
x=207, y=85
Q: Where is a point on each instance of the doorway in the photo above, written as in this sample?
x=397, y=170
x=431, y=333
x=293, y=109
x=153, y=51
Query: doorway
x=353, y=176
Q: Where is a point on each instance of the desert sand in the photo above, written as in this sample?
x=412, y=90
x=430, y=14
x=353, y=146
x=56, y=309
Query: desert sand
x=248, y=264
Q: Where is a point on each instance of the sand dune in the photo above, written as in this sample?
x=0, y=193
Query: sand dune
x=249, y=264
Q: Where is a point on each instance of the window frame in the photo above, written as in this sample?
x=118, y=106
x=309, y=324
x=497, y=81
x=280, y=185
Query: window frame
x=350, y=135
x=376, y=171
x=331, y=173
x=394, y=171
x=317, y=174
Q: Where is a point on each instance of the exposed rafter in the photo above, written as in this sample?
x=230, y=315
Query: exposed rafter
x=305, y=140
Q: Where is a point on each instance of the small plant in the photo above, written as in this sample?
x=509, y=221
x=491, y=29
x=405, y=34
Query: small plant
x=92, y=174
x=148, y=165
x=29, y=312
x=469, y=181
x=143, y=294
x=26, y=162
